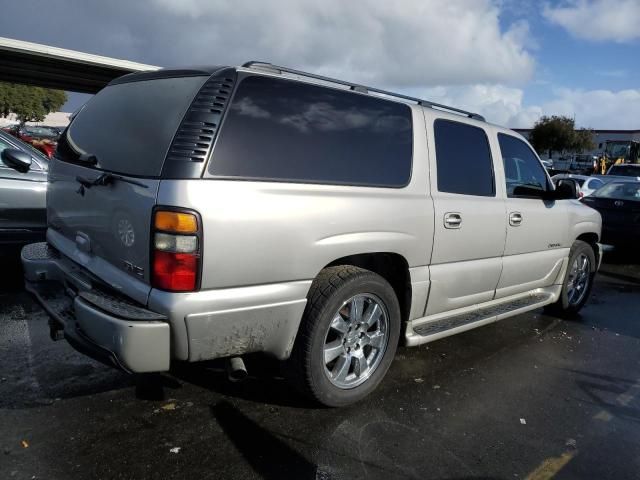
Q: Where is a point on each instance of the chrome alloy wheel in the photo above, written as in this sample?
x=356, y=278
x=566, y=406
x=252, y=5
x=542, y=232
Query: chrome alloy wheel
x=579, y=278
x=356, y=341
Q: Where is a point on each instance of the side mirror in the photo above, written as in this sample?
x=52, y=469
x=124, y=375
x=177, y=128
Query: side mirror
x=567, y=189
x=16, y=159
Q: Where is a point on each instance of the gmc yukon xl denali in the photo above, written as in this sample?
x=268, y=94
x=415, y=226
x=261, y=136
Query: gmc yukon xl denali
x=207, y=213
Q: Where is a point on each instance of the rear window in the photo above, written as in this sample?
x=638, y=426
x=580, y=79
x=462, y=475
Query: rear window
x=283, y=130
x=128, y=127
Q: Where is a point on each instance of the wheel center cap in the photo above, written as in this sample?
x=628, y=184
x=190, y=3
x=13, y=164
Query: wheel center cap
x=352, y=338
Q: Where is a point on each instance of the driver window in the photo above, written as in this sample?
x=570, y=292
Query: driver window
x=521, y=166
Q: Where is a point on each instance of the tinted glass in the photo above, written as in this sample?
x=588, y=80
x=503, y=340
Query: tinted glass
x=463, y=158
x=285, y=130
x=521, y=166
x=129, y=126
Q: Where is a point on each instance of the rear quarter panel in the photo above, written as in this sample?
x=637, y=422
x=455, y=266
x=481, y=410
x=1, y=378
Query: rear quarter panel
x=267, y=232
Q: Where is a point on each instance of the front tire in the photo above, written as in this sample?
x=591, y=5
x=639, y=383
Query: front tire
x=578, y=281
x=348, y=336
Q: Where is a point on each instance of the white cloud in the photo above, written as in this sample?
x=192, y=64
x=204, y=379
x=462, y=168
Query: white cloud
x=604, y=109
x=499, y=104
x=598, y=20
x=398, y=43
x=598, y=108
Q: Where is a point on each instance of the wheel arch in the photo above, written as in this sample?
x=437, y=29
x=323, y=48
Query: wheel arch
x=391, y=266
x=592, y=239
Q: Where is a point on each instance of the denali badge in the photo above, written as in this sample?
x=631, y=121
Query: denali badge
x=126, y=232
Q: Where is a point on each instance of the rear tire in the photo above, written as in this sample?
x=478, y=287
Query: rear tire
x=577, y=282
x=348, y=336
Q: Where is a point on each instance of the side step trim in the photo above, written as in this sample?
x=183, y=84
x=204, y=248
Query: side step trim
x=430, y=330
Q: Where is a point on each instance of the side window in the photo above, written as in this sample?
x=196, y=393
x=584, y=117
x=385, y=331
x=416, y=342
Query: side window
x=524, y=174
x=3, y=145
x=283, y=130
x=463, y=158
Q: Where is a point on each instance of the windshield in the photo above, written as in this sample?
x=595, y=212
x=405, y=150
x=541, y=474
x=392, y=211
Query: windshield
x=617, y=149
x=620, y=191
x=128, y=127
x=40, y=131
x=625, y=170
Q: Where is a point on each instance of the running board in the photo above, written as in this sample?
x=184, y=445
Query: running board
x=430, y=330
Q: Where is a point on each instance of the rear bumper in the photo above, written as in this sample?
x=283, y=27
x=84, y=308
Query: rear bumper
x=108, y=328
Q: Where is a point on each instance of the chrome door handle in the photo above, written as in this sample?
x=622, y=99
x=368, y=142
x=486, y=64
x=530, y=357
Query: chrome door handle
x=452, y=220
x=515, y=219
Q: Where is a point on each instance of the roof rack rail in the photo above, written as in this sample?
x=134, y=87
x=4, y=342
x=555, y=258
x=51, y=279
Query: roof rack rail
x=361, y=88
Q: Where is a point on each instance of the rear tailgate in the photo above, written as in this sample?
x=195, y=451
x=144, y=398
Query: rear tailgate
x=122, y=134
x=112, y=222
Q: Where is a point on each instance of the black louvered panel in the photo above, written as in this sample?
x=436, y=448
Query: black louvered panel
x=195, y=136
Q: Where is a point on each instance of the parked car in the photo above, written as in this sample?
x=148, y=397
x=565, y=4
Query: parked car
x=23, y=186
x=619, y=204
x=625, y=170
x=587, y=184
x=44, y=139
x=328, y=224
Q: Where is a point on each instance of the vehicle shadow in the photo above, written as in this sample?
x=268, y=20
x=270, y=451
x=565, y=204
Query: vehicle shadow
x=267, y=454
x=265, y=383
x=348, y=447
x=622, y=264
x=11, y=279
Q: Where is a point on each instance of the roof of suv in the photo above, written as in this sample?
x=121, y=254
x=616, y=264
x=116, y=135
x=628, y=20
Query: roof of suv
x=265, y=67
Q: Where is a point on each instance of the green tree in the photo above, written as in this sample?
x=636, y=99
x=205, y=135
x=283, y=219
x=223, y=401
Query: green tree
x=29, y=104
x=558, y=134
x=583, y=140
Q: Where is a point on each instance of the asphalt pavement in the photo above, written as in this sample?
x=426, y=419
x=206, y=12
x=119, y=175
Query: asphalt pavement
x=533, y=397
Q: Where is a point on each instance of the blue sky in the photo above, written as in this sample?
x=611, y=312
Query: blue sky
x=511, y=60
x=567, y=61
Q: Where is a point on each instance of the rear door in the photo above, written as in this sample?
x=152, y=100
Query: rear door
x=537, y=230
x=121, y=136
x=470, y=218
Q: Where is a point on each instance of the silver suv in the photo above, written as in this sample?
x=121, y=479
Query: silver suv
x=208, y=213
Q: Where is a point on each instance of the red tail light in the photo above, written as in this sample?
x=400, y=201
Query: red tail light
x=176, y=255
x=177, y=272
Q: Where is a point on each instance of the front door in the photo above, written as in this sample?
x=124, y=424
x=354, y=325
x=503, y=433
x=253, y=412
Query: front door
x=470, y=219
x=537, y=229
x=22, y=202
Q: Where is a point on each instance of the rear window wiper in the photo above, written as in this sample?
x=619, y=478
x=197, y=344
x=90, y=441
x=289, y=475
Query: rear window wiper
x=104, y=180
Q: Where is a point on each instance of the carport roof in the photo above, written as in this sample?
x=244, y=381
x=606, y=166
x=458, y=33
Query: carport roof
x=52, y=67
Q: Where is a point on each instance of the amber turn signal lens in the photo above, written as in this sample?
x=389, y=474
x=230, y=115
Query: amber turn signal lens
x=176, y=222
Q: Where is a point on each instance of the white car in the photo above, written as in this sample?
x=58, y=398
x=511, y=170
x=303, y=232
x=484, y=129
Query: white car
x=588, y=184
